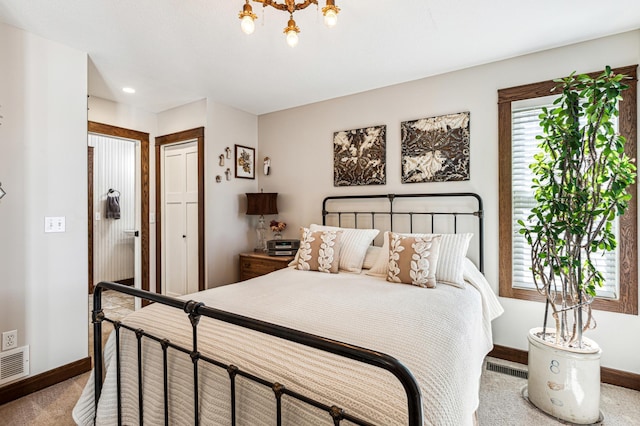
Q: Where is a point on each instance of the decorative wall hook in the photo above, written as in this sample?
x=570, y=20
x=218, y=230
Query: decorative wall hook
x=228, y=150
x=221, y=158
x=267, y=165
x=228, y=174
x=2, y=193
x=218, y=178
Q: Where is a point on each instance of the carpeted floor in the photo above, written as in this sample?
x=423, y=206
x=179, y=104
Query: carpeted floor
x=501, y=402
x=53, y=405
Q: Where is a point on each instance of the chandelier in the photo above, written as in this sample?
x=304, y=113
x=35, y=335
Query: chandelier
x=247, y=17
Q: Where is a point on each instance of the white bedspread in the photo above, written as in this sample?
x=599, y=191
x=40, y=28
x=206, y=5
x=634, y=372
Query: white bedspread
x=441, y=335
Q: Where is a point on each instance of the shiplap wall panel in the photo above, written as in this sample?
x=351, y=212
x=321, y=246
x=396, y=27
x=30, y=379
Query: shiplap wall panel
x=114, y=168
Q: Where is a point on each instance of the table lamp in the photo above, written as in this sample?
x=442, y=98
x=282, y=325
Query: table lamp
x=262, y=203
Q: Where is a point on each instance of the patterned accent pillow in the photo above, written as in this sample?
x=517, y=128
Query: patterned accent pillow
x=319, y=251
x=354, y=245
x=413, y=260
x=453, y=251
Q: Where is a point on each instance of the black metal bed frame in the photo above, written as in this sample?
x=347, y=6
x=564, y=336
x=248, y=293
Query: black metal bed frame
x=391, y=213
x=195, y=310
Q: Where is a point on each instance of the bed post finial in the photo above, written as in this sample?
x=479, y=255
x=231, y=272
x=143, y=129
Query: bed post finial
x=337, y=414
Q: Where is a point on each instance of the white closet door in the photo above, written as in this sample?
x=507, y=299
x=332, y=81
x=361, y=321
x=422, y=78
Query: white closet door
x=191, y=216
x=180, y=177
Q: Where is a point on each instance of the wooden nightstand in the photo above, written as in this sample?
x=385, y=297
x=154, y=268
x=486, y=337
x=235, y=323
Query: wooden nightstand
x=255, y=264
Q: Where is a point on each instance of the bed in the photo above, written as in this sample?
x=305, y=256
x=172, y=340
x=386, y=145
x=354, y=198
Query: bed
x=299, y=347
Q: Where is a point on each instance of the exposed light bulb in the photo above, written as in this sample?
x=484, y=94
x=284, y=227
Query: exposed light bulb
x=247, y=24
x=292, y=31
x=246, y=19
x=330, y=18
x=292, y=38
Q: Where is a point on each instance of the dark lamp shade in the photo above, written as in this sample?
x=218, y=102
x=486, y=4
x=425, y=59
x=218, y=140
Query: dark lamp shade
x=261, y=203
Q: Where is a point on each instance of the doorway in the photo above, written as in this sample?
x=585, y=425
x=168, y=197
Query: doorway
x=134, y=239
x=180, y=212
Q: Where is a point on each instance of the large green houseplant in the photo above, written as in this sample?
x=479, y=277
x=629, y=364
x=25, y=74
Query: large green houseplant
x=581, y=176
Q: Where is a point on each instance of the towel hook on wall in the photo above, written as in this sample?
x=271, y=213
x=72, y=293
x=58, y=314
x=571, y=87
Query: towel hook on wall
x=112, y=191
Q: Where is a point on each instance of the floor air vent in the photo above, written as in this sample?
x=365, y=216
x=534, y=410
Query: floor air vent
x=14, y=364
x=515, y=372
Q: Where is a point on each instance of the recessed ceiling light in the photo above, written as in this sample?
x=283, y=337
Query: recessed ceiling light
x=128, y=90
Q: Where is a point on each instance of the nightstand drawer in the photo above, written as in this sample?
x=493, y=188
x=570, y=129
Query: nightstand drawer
x=256, y=264
x=256, y=267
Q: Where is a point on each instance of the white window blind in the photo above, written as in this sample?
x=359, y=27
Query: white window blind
x=525, y=128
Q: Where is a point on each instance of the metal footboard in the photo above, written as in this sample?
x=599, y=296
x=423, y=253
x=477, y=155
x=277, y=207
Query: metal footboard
x=195, y=311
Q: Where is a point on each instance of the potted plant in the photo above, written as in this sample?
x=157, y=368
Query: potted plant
x=581, y=176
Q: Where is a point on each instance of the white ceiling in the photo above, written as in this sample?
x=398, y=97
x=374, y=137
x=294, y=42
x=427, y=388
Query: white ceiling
x=177, y=51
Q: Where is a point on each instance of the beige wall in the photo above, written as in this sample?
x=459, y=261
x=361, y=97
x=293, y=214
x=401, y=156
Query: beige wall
x=228, y=229
x=299, y=141
x=43, y=169
x=184, y=117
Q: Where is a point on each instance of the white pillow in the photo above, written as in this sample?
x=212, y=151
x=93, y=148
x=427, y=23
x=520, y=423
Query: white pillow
x=453, y=251
x=354, y=245
x=381, y=266
x=373, y=253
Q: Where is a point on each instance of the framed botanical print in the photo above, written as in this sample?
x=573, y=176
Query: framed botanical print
x=245, y=162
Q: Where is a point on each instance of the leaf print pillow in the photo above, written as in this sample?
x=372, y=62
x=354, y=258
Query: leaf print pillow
x=413, y=260
x=319, y=251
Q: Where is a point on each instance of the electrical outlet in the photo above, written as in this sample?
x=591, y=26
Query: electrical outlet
x=9, y=340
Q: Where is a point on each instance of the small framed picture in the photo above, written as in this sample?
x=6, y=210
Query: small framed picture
x=245, y=162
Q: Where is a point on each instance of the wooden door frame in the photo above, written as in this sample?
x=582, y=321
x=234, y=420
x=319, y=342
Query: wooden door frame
x=119, y=132
x=184, y=136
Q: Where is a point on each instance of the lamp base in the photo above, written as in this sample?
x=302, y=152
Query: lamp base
x=261, y=234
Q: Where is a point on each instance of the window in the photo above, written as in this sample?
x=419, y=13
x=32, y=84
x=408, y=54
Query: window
x=518, y=110
x=525, y=126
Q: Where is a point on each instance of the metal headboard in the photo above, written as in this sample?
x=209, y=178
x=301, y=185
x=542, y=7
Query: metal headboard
x=371, y=213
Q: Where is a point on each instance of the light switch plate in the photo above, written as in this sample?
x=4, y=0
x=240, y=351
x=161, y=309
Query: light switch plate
x=54, y=224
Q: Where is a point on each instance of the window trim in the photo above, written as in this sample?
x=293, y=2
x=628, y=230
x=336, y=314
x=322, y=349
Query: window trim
x=627, y=303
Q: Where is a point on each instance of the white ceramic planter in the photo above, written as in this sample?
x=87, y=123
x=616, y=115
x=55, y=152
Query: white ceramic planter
x=564, y=383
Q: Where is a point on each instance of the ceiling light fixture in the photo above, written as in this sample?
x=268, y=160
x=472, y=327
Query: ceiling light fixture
x=128, y=90
x=247, y=17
